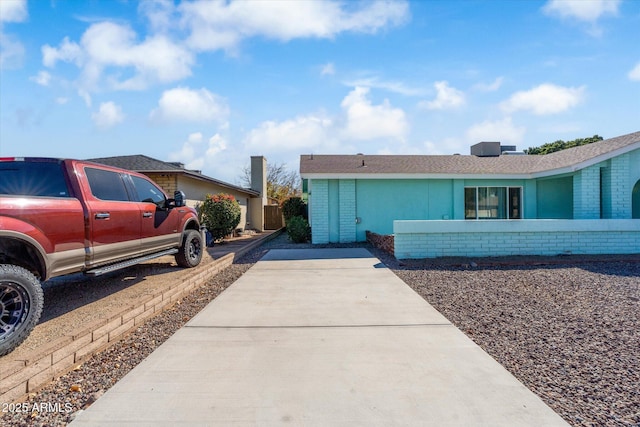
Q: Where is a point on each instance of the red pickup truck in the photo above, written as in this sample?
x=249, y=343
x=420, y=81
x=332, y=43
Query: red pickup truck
x=60, y=217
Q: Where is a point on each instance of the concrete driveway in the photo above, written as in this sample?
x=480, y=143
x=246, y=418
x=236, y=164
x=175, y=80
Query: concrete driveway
x=319, y=337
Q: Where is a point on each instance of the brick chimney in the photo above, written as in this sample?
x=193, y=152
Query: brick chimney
x=259, y=184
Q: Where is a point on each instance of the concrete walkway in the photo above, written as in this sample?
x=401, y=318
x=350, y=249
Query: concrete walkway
x=319, y=337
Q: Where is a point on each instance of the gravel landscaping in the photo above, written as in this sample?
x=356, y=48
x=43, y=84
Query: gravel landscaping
x=568, y=329
x=570, y=332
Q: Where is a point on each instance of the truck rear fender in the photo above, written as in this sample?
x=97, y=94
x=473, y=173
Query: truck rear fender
x=24, y=251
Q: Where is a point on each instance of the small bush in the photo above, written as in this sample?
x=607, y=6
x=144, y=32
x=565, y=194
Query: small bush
x=220, y=214
x=294, y=206
x=298, y=230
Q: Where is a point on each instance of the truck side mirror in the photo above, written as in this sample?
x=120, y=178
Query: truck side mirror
x=180, y=198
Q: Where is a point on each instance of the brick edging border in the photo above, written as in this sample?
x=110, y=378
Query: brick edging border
x=66, y=352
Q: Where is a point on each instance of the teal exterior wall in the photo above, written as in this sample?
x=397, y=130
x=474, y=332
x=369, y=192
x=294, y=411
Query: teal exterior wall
x=586, y=193
x=621, y=186
x=635, y=214
x=634, y=183
x=319, y=210
x=348, y=214
x=554, y=198
x=334, y=211
x=342, y=210
x=379, y=202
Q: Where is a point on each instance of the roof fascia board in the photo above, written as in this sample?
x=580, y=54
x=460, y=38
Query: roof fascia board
x=590, y=162
x=209, y=180
x=412, y=176
x=540, y=174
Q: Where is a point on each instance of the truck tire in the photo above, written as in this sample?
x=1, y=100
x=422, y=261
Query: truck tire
x=21, y=301
x=190, y=253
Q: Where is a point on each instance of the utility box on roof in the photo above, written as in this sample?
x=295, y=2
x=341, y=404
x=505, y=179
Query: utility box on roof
x=486, y=149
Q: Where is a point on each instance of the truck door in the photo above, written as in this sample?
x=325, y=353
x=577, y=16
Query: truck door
x=114, y=221
x=159, y=226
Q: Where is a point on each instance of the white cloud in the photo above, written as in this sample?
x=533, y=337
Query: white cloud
x=447, y=98
x=634, y=74
x=190, y=150
x=43, y=78
x=108, y=115
x=366, y=121
x=582, y=10
x=361, y=120
x=196, y=156
x=11, y=51
x=221, y=25
x=62, y=100
x=13, y=11
x=303, y=132
x=184, y=104
x=489, y=87
x=106, y=45
x=217, y=144
x=107, y=51
x=391, y=86
x=501, y=130
x=328, y=69
x=160, y=13
x=544, y=99
x=66, y=52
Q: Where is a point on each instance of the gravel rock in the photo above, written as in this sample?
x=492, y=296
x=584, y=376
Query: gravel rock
x=104, y=369
x=569, y=332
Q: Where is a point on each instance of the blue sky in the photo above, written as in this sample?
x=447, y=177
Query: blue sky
x=212, y=83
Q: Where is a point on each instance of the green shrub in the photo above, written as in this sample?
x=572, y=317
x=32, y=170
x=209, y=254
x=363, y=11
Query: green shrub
x=298, y=229
x=220, y=214
x=294, y=206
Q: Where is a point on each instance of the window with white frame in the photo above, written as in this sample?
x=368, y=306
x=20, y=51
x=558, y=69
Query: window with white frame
x=493, y=203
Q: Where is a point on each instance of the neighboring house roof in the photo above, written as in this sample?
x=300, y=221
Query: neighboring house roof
x=145, y=164
x=444, y=166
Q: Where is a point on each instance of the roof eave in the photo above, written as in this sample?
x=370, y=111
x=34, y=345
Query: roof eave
x=220, y=183
x=414, y=176
x=589, y=162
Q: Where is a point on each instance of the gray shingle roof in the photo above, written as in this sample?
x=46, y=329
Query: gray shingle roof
x=138, y=163
x=145, y=164
x=513, y=165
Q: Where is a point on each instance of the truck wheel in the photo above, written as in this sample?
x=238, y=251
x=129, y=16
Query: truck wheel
x=190, y=253
x=21, y=301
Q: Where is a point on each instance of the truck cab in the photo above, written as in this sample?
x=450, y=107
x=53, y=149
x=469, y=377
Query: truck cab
x=60, y=217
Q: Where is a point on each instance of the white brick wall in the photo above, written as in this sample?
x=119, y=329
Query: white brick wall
x=577, y=237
